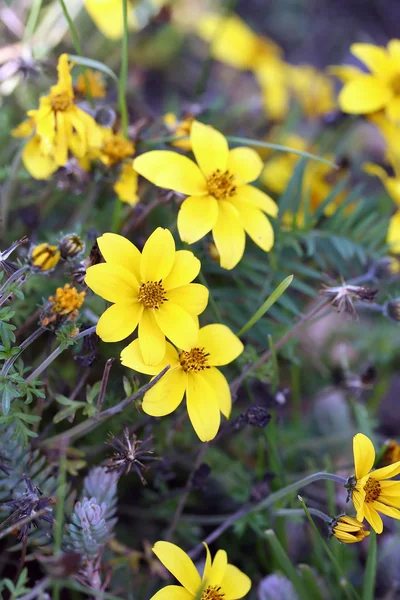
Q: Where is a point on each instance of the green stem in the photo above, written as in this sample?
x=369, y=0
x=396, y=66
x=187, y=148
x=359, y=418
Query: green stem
x=32, y=20
x=116, y=216
x=123, y=78
x=299, y=512
x=74, y=33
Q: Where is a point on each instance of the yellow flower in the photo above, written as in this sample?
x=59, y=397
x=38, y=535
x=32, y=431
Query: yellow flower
x=272, y=75
x=234, y=43
x=114, y=148
x=220, y=198
x=44, y=257
x=392, y=453
x=92, y=80
x=220, y=580
x=151, y=289
x=313, y=90
x=38, y=163
x=372, y=493
x=180, y=128
x=366, y=93
x=126, y=185
x=348, y=530
x=193, y=371
x=65, y=304
x=60, y=124
x=108, y=15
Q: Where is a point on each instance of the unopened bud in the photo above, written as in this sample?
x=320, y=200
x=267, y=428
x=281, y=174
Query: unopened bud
x=71, y=245
x=44, y=257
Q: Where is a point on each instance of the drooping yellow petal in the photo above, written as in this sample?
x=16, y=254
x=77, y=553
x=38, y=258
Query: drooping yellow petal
x=246, y=164
x=364, y=455
x=218, y=568
x=196, y=217
x=158, y=256
x=345, y=72
x=151, y=339
x=193, y=297
x=186, y=267
x=256, y=225
x=179, y=564
x=202, y=406
x=119, y=321
x=373, y=517
x=358, y=497
x=167, y=394
x=172, y=171
x=38, y=164
x=117, y=250
x=221, y=343
x=61, y=140
x=108, y=16
x=364, y=95
x=132, y=357
x=248, y=194
x=217, y=381
x=229, y=235
x=172, y=592
x=112, y=282
x=387, y=472
x=235, y=583
x=210, y=148
x=393, y=234
x=373, y=57
x=177, y=324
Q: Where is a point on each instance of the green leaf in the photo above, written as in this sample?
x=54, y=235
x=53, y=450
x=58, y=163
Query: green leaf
x=291, y=197
x=267, y=304
x=286, y=565
x=368, y=592
x=93, y=64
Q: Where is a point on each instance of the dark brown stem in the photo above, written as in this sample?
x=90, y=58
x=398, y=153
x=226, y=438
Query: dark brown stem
x=104, y=382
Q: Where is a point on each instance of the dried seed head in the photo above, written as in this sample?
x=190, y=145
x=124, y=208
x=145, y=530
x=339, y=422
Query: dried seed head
x=129, y=453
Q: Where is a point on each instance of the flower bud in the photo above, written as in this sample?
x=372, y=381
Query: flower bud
x=392, y=309
x=348, y=530
x=44, y=257
x=386, y=267
x=71, y=245
x=90, y=513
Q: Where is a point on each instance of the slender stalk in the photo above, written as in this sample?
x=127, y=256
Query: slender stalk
x=13, y=278
x=72, y=28
x=104, y=382
x=59, y=521
x=59, y=350
x=123, y=77
x=10, y=361
x=32, y=19
x=34, y=516
x=299, y=512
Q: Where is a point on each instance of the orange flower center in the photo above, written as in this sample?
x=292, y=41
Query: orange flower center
x=395, y=84
x=116, y=148
x=195, y=360
x=372, y=490
x=152, y=294
x=61, y=101
x=212, y=592
x=221, y=184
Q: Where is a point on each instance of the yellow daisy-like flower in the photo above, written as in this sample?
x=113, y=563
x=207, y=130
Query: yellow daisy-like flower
x=313, y=90
x=108, y=15
x=126, y=186
x=272, y=75
x=349, y=530
x=366, y=93
x=220, y=198
x=38, y=163
x=151, y=289
x=91, y=83
x=372, y=492
x=60, y=124
x=193, y=371
x=220, y=580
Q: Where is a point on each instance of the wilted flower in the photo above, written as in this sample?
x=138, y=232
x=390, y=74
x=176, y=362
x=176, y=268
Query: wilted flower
x=220, y=580
x=220, y=198
x=90, y=83
x=373, y=492
x=44, y=257
x=129, y=454
x=35, y=158
x=151, y=289
x=343, y=296
x=193, y=371
x=348, y=530
x=64, y=305
x=71, y=245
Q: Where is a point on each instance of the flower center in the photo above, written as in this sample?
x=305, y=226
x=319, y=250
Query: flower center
x=116, y=148
x=194, y=360
x=372, y=490
x=221, y=184
x=212, y=592
x=152, y=294
x=61, y=101
x=395, y=84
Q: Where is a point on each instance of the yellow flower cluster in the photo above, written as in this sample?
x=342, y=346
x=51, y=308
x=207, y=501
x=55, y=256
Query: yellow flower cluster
x=64, y=305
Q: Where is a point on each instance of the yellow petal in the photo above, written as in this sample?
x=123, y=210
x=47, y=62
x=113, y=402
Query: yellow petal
x=172, y=592
x=358, y=497
x=235, y=583
x=373, y=518
x=196, y=217
x=394, y=49
x=119, y=321
x=221, y=343
x=393, y=234
x=364, y=455
x=389, y=511
x=186, y=267
x=132, y=357
x=387, y=472
x=210, y=148
x=167, y=394
x=229, y=235
x=179, y=564
x=39, y=165
x=177, y=324
x=373, y=57
x=246, y=164
x=207, y=564
x=151, y=339
x=61, y=140
x=202, y=406
x=218, y=568
x=363, y=95
x=112, y=282
x=219, y=384
x=108, y=16
x=126, y=186
x=390, y=488
x=117, y=250
x=345, y=72
x=193, y=297
x=158, y=256
x=172, y=171
x=248, y=194
x=393, y=109
x=256, y=224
